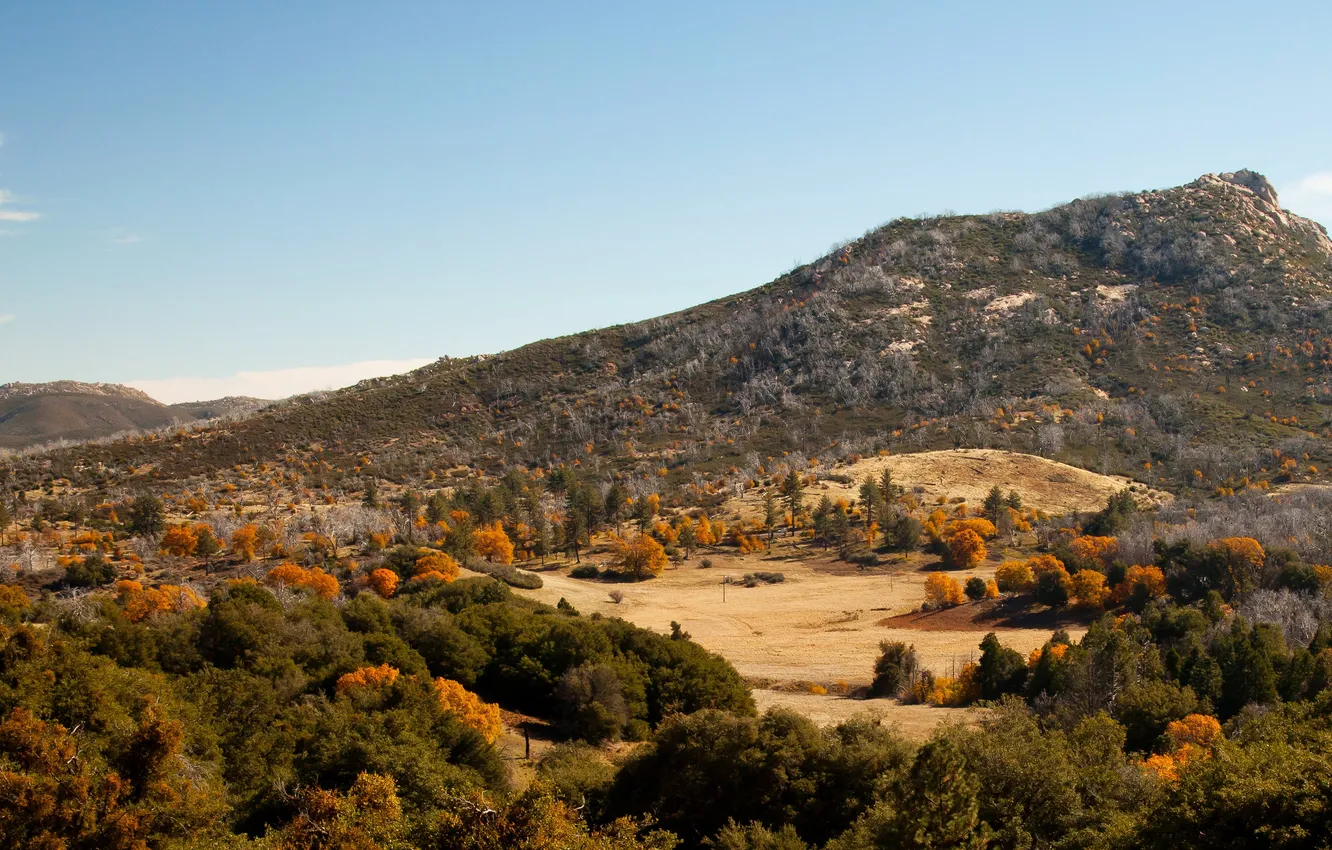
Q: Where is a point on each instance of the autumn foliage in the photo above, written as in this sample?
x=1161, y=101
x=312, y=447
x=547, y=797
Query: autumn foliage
x=494, y=545
x=966, y=549
x=245, y=542
x=383, y=582
x=943, y=591
x=436, y=566
x=366, y=678
x=640, y=556
x=141, y=602
x=313, y=578
x=484, y=717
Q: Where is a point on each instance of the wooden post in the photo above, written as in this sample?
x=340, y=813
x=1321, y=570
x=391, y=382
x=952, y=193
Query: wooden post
x=527, y=743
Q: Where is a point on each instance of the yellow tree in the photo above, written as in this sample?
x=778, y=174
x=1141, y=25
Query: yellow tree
x=179, y=540
x=1089, y=588
x=641, y=555
x=1014, y=577
x=494, y=545
x=943, y=591
x=966, y=549
x=245, y=542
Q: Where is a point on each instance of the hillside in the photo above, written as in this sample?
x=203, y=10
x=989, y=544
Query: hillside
x=1178, y=336
x=32, y=414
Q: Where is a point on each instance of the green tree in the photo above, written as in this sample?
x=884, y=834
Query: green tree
x=871, y=497
x=994, y=503
x=771, y=513
x=938, y=804
x=147, y=516
x=1002, y=670
x=793, y=491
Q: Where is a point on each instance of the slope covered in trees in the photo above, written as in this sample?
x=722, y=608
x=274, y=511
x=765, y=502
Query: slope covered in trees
x=1183, y=328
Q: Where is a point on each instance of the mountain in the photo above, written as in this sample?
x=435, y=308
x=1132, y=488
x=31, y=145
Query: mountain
x=1181, y=336
x=32, y=414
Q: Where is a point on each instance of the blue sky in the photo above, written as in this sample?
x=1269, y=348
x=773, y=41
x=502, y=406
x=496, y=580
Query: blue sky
x=286, y=190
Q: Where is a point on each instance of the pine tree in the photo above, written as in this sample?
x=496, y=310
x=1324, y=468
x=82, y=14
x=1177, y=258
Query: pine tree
x=870, y=496
x=939, y=807
x=771, y=513
x=371, y=497
x=793, y=490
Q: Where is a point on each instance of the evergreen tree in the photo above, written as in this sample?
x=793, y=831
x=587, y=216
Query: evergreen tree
x=939, y=805
x=870, y=497
x=771, y=513
x=793, y=491
x=147, y=516
x=371, y=497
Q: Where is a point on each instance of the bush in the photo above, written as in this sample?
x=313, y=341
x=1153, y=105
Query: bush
x=511, y=576
x=705, y=564
x=755, y=579
x=975, y=588
x=585, y=571
x=863, y=558
x=94, y=571
x=895, y=669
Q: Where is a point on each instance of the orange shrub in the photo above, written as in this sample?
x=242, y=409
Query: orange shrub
x=313, y=579
x=141, y=602
x=383, y=582
x=438, y=566
x=484, y=717
x=966, y=549
x=367, y=678
x=943, y=591
x=1089, y=588
x=1014, y=577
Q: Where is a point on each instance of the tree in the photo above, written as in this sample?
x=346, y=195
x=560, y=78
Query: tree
x=994, y=503
x=1054, y=587
x=179, y=540
x=616, y=503
x=901, y=531
x=494, y=545
x=244, y=542
x=975, y=588
x=1089, y=588
x=593, y=703
x=1014, y=577
x=822, y=518
x=943, y=591
x=771, y=513
x=870, y=497
x=370, y=498
x=383, y=582
x=889, y=491
x=1002, y=670
x=895, y=669
x=966, y=549
x=793, y=491
x=436, y=565
x=641, y=556
x=147, y=516
x=938, y=803
x=482, y=716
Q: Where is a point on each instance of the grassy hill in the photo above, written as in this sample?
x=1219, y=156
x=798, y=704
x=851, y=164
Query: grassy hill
x=32, y=414
x=1179, y=336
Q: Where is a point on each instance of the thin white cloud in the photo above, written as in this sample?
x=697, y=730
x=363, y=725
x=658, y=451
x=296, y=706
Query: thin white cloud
x=6, y=318
x=1310, y=196
x=132, y=239
x=14, y=215
x=277, y=383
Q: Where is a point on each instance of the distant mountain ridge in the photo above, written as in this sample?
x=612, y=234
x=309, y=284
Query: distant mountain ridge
x=34, y=414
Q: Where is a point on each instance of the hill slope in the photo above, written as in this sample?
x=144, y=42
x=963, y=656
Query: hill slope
x=1180, y=335
x=31, y=414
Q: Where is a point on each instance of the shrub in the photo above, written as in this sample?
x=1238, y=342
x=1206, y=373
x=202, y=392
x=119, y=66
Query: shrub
x=975, y=588
x=1054, y=588
x=895, y=669
x=1014, y=577
x=942, y=591
x=511, y=576
x=755, y=579
x=966, y=549
x=616, y=596
x=705, y=564
x=585, y=571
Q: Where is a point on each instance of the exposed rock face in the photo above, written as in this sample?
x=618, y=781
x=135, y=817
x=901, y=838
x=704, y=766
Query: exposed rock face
x=1254, y=182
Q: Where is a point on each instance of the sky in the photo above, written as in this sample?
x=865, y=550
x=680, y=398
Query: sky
x=206, y=199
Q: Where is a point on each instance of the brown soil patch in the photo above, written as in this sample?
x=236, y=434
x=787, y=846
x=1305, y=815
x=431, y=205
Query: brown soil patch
x=992, y=616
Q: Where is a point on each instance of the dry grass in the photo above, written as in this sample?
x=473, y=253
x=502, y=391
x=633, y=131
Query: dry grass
x=817, y=626
x=1049, y=486
x=911, y=720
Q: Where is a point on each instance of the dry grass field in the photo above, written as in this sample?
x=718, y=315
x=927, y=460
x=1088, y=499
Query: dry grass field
x=968, y=474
